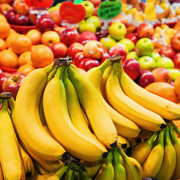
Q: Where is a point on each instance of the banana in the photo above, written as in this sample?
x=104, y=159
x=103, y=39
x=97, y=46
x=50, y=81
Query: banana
x=84, y=175
x=107, y=171
x=144, y=134
x=94, y=108
x=176, y=145
x=28, y=163
x=76, y=113
x=69, y=174
x=37, y=176
x=124, y=126
x=142, y=150
x=10, y=155
x=26, y=117
x=76, y=174
x=128, y=107
x=119, y=170
x=40, y=169
x=132, y=167
x=169, y=162
x=1, y=173
x=165, y=108
x=154, y=161
x=61, y=126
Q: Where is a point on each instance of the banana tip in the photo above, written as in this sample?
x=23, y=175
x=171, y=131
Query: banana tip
x=163, y=126
x=113, y=145
x=105, y=154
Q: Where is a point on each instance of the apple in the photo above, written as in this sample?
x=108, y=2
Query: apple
x=8, y=14
x=124, y=46
x=95, y=21
x=107, y=42
x=59, y=49
x=13, y=82
x=20, y=19
x=96, y=3
x=4, y=8
x=129, y=44
x=59, y=29
x=20, y=7
x=87, y=36
x=69, y=36
x=167, y=51
x=117, y=31
x=53, y=8
x=175, y=73
x=162, y=75
x=89, y=7
x=147, y=63
x=78, y=58
x=93, y=49
x=74, y=48
x=133, y=37
x=132, y=55
x=175, y=41
x=165, y=62
x=132, y=68
x=86, y=26
x=50, y=37
x=118, y=50
x=156, y=56
x=145, y=30
x=105, y=56
x=3, y=76
x=145, y=78
x=55, y=16
x=144, y=47
x=88, y=63
x=176, y=60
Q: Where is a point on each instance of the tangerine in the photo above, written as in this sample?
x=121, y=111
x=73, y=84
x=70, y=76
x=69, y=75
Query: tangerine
x=26, y=68
x=4, y=30
x=25, y=58
x=8, y=40
x=177, y=85
x=35, y=36
x=2, y=45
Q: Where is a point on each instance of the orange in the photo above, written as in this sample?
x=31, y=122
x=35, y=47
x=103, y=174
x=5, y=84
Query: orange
x=2, y=18
x=2, y=45
x=35, y=36
x=41, y=56
x=8, y=59
x=4, y=29
x=8, y=39
x=177, y=85
x=163, y=90
x=25, y=58
x=20, y=43
x=26, y=69
x=12, y=31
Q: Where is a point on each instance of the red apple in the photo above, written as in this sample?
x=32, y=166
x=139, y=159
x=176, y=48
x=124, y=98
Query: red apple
x=9, y=15
x=69, y=36
x=59, y=29
x=105, y=56
x=78, y=58
x=20, y=19
x=4, y=7
x=3, y=76
x=74, y=48
x=162, y=75
x=176, y=60
x=167, y=51
x=13, y=82
x=132, y=68
x=175, y=41
x=145, y=78
x=59, y=49
x=20, y=7
x=145, y=30
x=133, y=37
x=88, y=63
x=86, y=36
x=118, y=50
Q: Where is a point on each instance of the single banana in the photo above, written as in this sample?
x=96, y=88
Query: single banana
x=169, y=162
x=94, y=108
x=119, y=170
x=61, y=126
x=154, y=161
x=10, y=155
x=176, y=145
x=40, y=169
x=107, y=171
x=128, y=107
x=123, y=142
x=26, y=117
x=132, y=167
x=76, y=113
x=69, y=174
x=142, y=150
x=1, y=173
x=38, y=176
x=124, y=126
x=155, y=103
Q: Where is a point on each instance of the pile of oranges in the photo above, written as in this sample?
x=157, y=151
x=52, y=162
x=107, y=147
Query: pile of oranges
x=22, y=52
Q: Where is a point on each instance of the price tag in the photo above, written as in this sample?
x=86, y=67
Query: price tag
x=39, y=3
x=72, y=13
x=109, y=9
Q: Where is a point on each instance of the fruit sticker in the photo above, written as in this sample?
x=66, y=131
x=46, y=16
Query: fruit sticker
x=72, y=13
x=39, y=3
x=109, y=9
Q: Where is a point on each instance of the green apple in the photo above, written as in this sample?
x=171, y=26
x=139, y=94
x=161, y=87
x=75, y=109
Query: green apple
x=123, y=45
x=117, y=31
x=175, y=73
x=89, y=7
x=132, y=55
x=128, y=43
x=165, y=62
x=147, y=63
x=107, y=42
x=144, y=47
x=58, y=4
x=156, y=56
x=94, y=20
x=51, y=9
x=87, y=27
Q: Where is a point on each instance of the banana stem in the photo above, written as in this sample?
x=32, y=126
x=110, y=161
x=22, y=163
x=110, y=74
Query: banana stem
x=4, y=105
x=161, y=138
x=151, y=138
x=173, y=135
x=177, y=129
x=49, y=68
x=59, y=72
x=105, y=64
x=122, y=153
x=62, y=170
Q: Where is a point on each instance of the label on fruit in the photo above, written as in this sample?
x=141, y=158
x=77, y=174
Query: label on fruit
x=72, y=13
x=109, y=9
x=39, y=3
x=77, y=1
